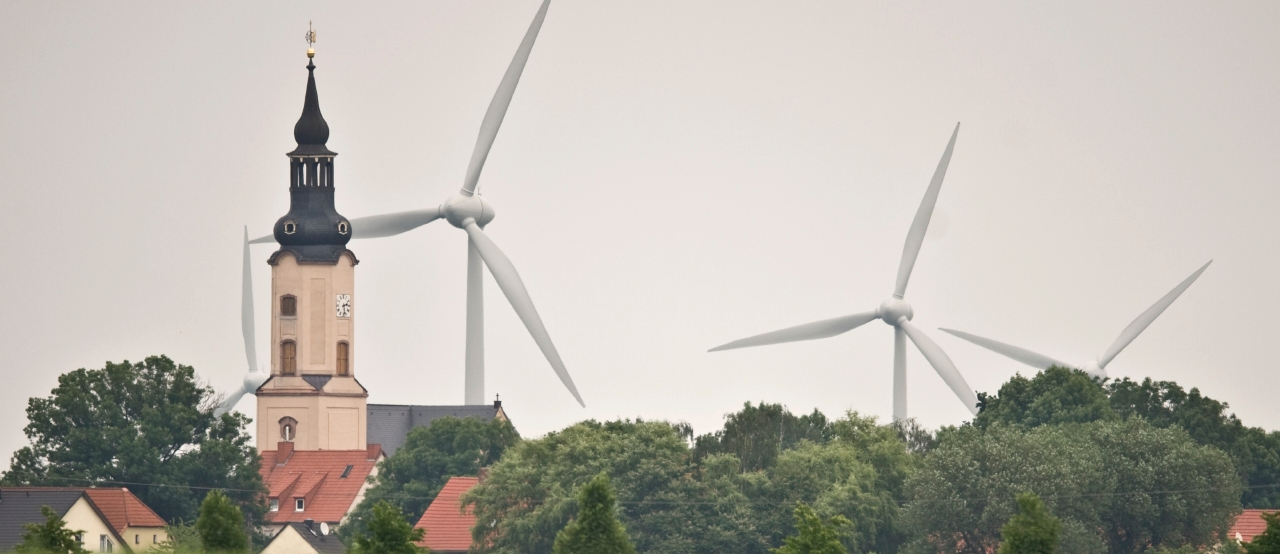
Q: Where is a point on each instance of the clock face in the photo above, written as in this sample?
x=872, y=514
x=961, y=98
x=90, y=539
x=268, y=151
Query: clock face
x=344, y=305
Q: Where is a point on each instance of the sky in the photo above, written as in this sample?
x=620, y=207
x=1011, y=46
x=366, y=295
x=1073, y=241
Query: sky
x=670, y=176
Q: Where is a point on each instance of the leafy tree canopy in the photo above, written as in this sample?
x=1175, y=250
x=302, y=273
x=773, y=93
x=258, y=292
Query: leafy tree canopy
x=1053, y=396
x=595, y=529
x=50, y=537
x=388, y=532
x=411, y=478
x=813, y=535
x=757, y=434
x=1032, y=531
x=221, y=525
x=146, y=423
x=1119, y=486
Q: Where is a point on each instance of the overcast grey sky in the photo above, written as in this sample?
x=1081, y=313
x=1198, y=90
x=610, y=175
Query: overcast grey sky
x=670, y=176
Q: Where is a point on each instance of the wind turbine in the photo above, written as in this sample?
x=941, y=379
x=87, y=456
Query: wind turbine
x=255, y=378
x=895, y=312
x=466, y=210
x=1096, y=367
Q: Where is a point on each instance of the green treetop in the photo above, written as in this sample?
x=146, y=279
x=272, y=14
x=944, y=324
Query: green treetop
x=1032, y=531
x=221, y=525
x=814, y=536
x=388, y=532
x=596, y=529
x=50, y=537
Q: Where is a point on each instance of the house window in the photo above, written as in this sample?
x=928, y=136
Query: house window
x=289, y=305
x=154, y=540
x=288, y=357
x=299, y=504
x=80, y=538
x=104, y=544
x=347, y=471
x=344, y=363
x=137, y=539
x=288, y=429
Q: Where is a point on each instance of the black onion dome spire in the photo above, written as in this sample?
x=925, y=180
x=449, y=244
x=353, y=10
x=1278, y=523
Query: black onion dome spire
x=311, y=131
x=313, y=230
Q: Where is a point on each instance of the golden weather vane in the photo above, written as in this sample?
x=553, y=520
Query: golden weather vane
x=311, y=41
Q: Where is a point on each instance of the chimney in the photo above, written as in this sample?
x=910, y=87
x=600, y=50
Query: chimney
x=497, y=403
x=483, y=474
x=284, y=450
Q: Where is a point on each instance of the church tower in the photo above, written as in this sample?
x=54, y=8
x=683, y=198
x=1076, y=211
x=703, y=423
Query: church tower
x=312, y=400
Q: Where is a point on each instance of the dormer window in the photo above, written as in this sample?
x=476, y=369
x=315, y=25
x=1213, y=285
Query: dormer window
x=289, y=305
x=275, y=504
x=299, y=504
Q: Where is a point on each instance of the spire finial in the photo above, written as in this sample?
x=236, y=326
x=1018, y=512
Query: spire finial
x=311, y=41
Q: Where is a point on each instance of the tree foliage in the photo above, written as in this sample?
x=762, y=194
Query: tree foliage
x=431, y=454
x=1268, y=542
x=595, y=529
x=221, y=525
x=1032, y=530
x=388, y=532
x=813, y=535
x=151, y=422
x=672, y=501
x=1119, y=486
x=50, y=537
x=758, y=434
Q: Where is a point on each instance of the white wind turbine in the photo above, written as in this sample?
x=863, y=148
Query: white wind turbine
x=466, y=210
x=895, y=312
x=255, y=378
x=1096, y=367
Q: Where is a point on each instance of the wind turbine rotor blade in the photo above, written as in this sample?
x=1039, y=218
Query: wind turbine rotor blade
x=1038, y=361
x=915, y=237
x=501, y=100
x=942, y=364
x=230, y=402
x=261, y=240
x=246, y=307
x=473, y=386
x=386, y=225
x=1140, y=324
x=808, y=331
x=513, y=288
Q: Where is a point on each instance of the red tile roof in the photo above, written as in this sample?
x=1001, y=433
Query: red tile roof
x=122, y=509
x=1248, y=524
x=316, y=476
x=448, y=526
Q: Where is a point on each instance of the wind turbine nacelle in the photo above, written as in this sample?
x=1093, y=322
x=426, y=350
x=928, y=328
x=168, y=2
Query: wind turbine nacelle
x=893, y=310
x=253, y=380
x=459, y=208
x=1094, y=370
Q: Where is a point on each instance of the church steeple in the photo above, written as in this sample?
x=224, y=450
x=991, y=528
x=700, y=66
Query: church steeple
x=313, y=230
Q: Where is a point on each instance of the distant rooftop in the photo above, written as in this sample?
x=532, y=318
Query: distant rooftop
x=389, y=424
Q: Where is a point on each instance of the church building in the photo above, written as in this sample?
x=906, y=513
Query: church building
x=314, y=423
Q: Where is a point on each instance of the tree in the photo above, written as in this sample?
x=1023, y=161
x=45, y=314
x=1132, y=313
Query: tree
x=1123, y=487
x=411, y=478
x=50, y=537
x=757, y=434
x=1032, y=531
x=814, y=536
x=1053, y=396
x=221, y=525
x=150, y=422
x=1269, y=541
x=596, y=529
x=388, y=532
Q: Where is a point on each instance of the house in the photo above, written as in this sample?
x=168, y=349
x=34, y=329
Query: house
x=447, y=525
x=1248, y=525
x=307, y=537
x=106, y=519
x=389, y=424
x=315, y=485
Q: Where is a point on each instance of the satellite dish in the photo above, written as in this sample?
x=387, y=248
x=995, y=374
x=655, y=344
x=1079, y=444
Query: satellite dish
x=324, y=528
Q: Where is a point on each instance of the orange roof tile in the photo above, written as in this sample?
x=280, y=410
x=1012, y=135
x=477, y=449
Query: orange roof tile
x=448, y=526
x=122, y=509
x=1249, y=524
x=317, y=476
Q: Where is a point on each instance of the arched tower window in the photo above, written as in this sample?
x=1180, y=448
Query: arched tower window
x=289, y=305
x=288, y=357
x=288, y=429
x=344, y=359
